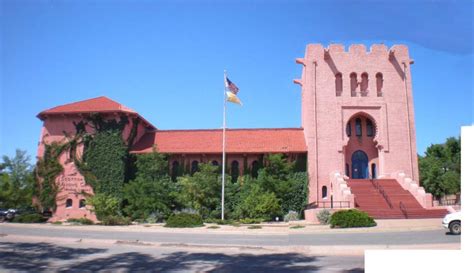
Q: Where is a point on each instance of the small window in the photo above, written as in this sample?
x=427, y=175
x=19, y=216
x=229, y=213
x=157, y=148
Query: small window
x=353, y=84
x=174, y=170
x=338, y=84
x=347, y=170
x=348, y=129
x=370, y=128
x=69, y=203
x=255, y=168
x=325, y=192
x=379, y=77
x=374, y=171
x=234, y=171
x=215, y=163
x=194, y=166
x=82, y=203
x=358, y=127
x=364, y=84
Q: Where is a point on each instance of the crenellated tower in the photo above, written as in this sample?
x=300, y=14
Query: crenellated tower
x=357, y=114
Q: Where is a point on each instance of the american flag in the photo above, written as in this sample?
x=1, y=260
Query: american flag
x=230, y=86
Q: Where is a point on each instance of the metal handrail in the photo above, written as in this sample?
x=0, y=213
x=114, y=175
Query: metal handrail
x=382, y=192
x=403, y=209
x=340, y=204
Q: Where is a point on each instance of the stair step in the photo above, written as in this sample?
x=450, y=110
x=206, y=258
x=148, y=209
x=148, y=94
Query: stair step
x=369, y=199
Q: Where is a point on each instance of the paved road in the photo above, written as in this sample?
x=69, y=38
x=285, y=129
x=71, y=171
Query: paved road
x=315, y=239
x=86, y=257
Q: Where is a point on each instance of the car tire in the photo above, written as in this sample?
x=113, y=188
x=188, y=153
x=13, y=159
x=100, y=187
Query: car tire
x=455, y=227
x=2, y=218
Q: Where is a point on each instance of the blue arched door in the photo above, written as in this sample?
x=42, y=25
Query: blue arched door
x=360, y=165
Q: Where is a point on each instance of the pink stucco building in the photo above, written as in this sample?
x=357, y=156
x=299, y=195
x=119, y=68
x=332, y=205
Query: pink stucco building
x=357, y=134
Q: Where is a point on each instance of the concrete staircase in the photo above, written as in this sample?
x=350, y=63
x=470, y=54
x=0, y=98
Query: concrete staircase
x=386, y=199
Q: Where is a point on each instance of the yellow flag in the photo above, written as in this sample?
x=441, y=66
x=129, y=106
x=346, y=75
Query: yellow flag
x=233, y=98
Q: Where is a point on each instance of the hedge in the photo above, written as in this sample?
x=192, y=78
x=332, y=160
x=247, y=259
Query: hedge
x=184, y=220
x=351, y=218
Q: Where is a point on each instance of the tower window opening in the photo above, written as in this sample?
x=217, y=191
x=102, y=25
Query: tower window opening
x=338, y=84
x=353, y=84
x=379, y=77
x=364, y=85
x=348, y=129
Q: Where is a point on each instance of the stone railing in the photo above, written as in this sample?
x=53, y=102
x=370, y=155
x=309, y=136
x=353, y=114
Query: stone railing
x=425, y=199
x=341, y=192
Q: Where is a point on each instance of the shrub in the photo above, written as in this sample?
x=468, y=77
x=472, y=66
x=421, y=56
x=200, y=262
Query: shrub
x=104, y=205
x=113, y=220
x=324, y=216
x=57, y=223
x=82, y=221
x=29, y=218
x=256, y=203
x=251, y=220
x=213, y=227
x=254, y=227
x=351, y=218
x=297, y=227
x=183, y=220
x=291, y=216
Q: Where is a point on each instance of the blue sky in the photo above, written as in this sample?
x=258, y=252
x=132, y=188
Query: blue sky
x=165, y=59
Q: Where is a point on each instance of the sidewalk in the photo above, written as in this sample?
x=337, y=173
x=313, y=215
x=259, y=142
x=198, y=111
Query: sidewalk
x=267, y=229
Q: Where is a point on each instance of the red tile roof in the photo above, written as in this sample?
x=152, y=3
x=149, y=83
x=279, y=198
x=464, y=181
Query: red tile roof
x=95, y=105
x=283, y=140
x=99, y=104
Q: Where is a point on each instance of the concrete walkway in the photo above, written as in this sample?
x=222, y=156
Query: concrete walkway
x=396, y=225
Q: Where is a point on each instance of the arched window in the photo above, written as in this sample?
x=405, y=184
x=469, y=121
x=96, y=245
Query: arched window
x=174, y=170
x=255, y=168
x=82, y=203
x=194, y=166
x=358, y=127
x=234, y=170
x=348, y=129
x=215, y=163
x=338, y=84
x=353, y=84
x=364, y=84
x=69, y=203
x=324, y=192
x=370, y=127
x=379, y=77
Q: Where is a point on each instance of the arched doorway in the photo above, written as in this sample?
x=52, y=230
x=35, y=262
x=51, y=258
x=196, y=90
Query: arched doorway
x=360, y=165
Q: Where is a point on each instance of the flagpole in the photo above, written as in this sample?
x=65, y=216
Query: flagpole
x=223, y=149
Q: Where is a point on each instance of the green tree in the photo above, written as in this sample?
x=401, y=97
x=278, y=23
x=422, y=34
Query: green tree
x=16, y=181
x=279, y=177
x=152, y=191
x=440, y=168
x=202, y=191
x=256, y=203
x=104, y=205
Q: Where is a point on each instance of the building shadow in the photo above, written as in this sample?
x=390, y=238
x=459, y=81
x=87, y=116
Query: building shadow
x=199, y=262
x=41, y=257
x=37, y=257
